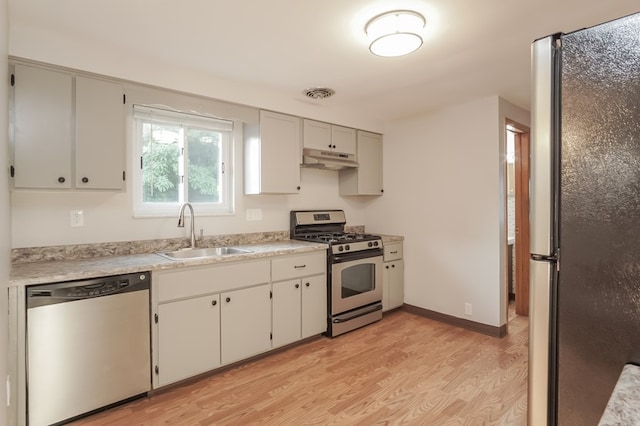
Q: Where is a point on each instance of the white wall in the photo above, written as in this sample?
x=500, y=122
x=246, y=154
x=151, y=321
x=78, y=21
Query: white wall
x=444, y=191
x=5, y=236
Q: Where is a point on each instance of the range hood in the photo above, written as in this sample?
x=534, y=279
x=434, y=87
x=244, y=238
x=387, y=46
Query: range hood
x=328, y=160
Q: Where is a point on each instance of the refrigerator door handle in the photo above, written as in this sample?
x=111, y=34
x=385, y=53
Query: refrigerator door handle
x=551, y=258
x=544, y=257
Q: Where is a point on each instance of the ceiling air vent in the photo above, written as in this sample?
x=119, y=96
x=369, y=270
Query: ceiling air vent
x=319, y=92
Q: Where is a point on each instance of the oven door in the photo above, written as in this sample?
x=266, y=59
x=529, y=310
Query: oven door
x=356, y=281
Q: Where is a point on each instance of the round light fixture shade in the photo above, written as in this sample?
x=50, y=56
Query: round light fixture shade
x=395, y=33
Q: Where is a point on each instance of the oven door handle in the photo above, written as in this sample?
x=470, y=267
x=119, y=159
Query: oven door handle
x=357, y=315
x=347, y=257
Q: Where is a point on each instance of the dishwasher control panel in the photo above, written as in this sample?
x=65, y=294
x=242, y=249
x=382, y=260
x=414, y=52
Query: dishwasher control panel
x=48, y=294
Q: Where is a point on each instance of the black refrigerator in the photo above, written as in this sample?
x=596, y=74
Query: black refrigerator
x=585, y=220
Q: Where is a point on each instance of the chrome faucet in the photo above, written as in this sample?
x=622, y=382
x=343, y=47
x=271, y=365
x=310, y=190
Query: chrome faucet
x=181, y=222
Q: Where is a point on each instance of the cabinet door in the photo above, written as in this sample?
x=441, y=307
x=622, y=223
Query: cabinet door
x=314, y=305
x=286, y=308
x=100, y=138
x=42, y=128
x=188, y=338
x=316, y=135
x=343, y=139
x=393, y=285
x=280, y=153
x=245, y=323
x=366, y=179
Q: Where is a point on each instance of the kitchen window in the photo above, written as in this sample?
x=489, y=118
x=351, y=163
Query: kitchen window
x=181, y=157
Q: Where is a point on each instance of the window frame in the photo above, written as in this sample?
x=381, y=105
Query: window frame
x=164, y=115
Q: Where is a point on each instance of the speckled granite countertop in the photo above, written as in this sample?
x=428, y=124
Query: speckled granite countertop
x=624, y=404
x=390, y=238
x=23, y=274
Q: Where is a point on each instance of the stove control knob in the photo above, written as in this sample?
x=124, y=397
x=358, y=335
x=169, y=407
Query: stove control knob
x=347, y=247
x=375, y=243
x=340, y=248
x=369, y=244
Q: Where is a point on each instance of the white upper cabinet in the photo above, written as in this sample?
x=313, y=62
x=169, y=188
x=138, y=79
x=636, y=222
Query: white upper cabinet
x=45, y=139
x=272, y=155
x=100, y=147
x=325, y=136
x=366, y=179
x=42, y=128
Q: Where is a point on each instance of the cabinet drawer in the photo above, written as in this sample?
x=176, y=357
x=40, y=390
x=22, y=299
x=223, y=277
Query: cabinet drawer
x=392, y=251
x=210, y=279
x=284, y=268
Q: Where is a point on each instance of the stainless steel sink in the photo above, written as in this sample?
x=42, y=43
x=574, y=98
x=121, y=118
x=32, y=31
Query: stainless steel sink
x=202, y=252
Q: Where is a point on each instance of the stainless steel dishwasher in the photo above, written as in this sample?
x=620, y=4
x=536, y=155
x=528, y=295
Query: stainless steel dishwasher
x=88, y=345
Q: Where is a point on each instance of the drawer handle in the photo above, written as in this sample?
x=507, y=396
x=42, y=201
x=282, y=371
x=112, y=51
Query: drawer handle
x=228, y=299
x=300, y=266
x=394, y=252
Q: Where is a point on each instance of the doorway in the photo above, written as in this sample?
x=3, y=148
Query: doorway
x=517, y=163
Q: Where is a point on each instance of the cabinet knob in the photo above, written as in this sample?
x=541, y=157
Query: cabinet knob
x=85, y=179
x=298, y=188
x=333, y=146
x=297, y=285
x=387, y=266
x=61, y=179
x=214, y=302
x=382, y=190
x=329, y=145
x=307, y=284
x=228, y=299
x=393, y=266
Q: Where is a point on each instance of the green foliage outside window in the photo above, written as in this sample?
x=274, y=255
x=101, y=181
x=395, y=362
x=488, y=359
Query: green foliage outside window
x=161, y=157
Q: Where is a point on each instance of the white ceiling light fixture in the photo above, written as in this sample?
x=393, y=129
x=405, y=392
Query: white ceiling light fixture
x=395, y=33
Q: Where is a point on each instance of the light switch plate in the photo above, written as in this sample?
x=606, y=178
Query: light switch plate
x=254, y=214
x=76, y=218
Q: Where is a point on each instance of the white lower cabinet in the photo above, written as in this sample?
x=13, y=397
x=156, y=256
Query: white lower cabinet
x=245, y=323
x=214, y=315
x=188, y=338
x=393, y=277
x=299, y=309
x=314, y=305
x=299, y=297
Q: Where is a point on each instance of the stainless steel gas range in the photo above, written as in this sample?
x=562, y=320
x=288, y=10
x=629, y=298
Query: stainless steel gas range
x=354, y=268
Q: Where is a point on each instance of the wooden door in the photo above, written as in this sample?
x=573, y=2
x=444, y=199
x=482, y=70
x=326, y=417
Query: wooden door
x=522, y=220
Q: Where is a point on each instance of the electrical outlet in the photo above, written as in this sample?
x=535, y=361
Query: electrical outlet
x=468, y=309
x=76, y=218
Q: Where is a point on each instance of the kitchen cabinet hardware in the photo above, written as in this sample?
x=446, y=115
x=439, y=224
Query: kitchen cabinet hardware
x=214, y=302
x=297, y=285
x=155, y=318
x=228, y=299
x=157, y=370
x=300, y=266
x=12, y=171
x=61, y=179
x=13, y=79
x=85, y=179
x=307, y=284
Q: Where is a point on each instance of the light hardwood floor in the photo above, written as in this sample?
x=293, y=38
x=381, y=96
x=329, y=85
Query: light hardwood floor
x=403, y=370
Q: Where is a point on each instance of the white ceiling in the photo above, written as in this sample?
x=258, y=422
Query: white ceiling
x=473, y=48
